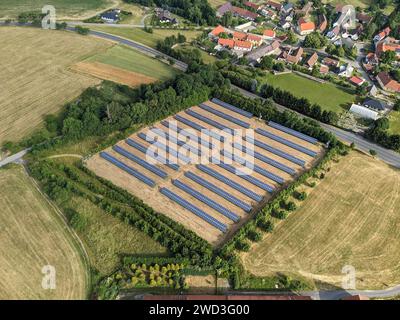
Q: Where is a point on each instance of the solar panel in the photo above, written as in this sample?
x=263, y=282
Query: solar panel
x=232, y=108
x=276, y=151
x=170, y=150
x=224, y=116
x=293, y=132
x=286, y=142
x=230, y=183
x=211, y=203
x=141, y=162
x=128, y=169
x=254, y=167
x=218, y=191
x=198, y=212
x=208, y=120
x=182, y=143
x=268, y=160
x=159, y=158
x=199, y=127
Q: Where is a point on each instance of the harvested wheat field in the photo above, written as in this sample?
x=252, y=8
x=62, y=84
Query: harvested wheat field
x=351, y=217
x=107, y=72
x=243, y=194
x=35, y=78
x=33, y=236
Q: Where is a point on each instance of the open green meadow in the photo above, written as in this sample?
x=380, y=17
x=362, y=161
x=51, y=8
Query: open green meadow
x=329, y=96
x=394, y=122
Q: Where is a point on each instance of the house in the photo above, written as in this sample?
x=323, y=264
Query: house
x=252, y=5
x=345, y=71
x=388, y=44
x=243, y=13
x=274, y=5
x=226, y=7
x=111, y=16
x=373, y=91
x=289, y=17
x=363, y=112
x=287, y=8
x=305, y=27
x=164, y=16
x=382, y=35
x=363, y=18
x=312, y=60
x=322, y=23
x=357, y=81
x=216, y=31
x=267, y=13
x=294, y=56
x=226, y=43
x=269, y=34
x=330, y=62
x=375, y=104
x=334, y=33
x=387, y=83
x=323, y=69
x=254, y=39
x=245, y=27
x=242, y=45
x=239, y=35
x=284, y=24
x=256, y=55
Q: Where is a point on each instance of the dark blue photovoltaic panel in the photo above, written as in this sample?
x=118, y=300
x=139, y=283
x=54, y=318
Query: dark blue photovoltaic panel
x=276, y=151
x=286, y=142
x=211, y=203
x=170, y=150
x=224, y=116
x=198, y=212
x=293, y=132
x=128, y=169
x=199, y=127
x=141, y=162
x=182, y=143
x=143, y=149
x=255, y=167
x=265, y=159
x=248, y=178
x=230, y=183
x=208, y=120
x=232, y=108
x=218, y=191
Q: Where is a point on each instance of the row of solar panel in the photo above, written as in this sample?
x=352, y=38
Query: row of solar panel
x=286, y=142
x=198, y=212
x=199, y=127
x=209, y=121
x=293, y=132
x=128, y=169
x=224, y=116
x=232, y=108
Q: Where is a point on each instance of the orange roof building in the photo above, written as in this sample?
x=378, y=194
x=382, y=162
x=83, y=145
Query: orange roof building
x=269, y=34
x=243, y=45
x=255, y=40
x=305, y=27
x=217, y=31
x=239, y=35
x=387, y=83
x=226, y=43
x=384, y=46
x=312, y=60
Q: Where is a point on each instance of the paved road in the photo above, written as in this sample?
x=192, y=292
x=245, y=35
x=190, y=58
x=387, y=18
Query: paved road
x=15, y=158
x=389, y=156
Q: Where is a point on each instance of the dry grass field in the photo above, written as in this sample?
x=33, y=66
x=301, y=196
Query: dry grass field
x=160, y=203
x=35, y=79
x=351, y=218
x=32, y=236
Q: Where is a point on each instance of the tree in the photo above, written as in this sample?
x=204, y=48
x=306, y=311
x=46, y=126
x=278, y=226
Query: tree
x=372, y=152
x=291, y=37
x=82, y=30
x=315, y=40
x=388, y=57
x=396, y=106
x=267, y=63
x=227, y=19
x=382, y=123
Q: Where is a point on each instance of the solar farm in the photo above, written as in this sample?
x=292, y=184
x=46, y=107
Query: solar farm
x=198, y=175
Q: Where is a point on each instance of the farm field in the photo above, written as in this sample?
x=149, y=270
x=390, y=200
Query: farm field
x=36, y=79
x=329, y=96
x=159, y=201
x=350, y=218
x=136, y=64
x=148, y=39
x=72, y=9
x=394, y=122
x=35, y=236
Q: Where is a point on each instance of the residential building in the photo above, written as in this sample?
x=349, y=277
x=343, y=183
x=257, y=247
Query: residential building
x=346, y=71
x=287, y=8
x=322, y=23
x=164, y=16
x=252, y=5
x=269, y=34
x=305, y=27
x=293, y=56
x=330, y=62
x=239, y=35
x=243, y=13
x=254, y=39
x=284, y=24
x=216, y=31
x=363, y=112
x=323, y=69
x=387, y=83
x=274, y=5
x=111, y=16
x=357, y=81
x=227, y=43
x=312, y=60
x=243, y=45
x=375, y=104
x=363, y=18
x=265, y=50
x=388, y=44
x=245, y=27
x=267, y=13
x=382, y=35
x=226, y=7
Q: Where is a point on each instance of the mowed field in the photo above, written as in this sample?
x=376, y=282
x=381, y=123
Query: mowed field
x=327, y=95
x=351, y=217
x=35, y=78
x=161, y=203
x=124, y=65
x=33, y=236
x=73, y=9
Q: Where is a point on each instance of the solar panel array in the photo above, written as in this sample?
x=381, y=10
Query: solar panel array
x=293, y=132
x=128, y=169
x=211, y=203
x=198, y=212
x=286, y=142
x=208, y=120
x=199, y=127
x=224, y=116
x=232, y=108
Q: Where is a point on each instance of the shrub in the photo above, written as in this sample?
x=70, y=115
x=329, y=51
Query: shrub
x=373, y=152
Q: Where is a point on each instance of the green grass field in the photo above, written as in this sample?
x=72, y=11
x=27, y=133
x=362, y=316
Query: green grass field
x=394, y=120
x=329, y=96
x=148, y=39
x=204, y=55
x=64, y=8
x=128, y=59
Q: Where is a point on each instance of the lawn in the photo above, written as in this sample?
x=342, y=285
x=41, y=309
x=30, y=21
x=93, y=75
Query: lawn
x=148, y=39
x=128, y=59
x=73, y=9
x=216, y=3
x=394, y=122
x=32, y=236
x=350, y=218
x=35, y=78
x=204, y=55
x=329, y=96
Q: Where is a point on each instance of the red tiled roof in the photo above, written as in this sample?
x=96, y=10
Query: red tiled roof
x=269, y=33
x=306, y=26
x=252, y=5
x=275, y=5
x=387, y=46
x=356, y=80
x=218, y=30
x=243, y=44
x=324, y=69
x=226, y=42
x=244, y=13
x=239, y=35
x=388, y=82
x=312, y=60
x=254, y=38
